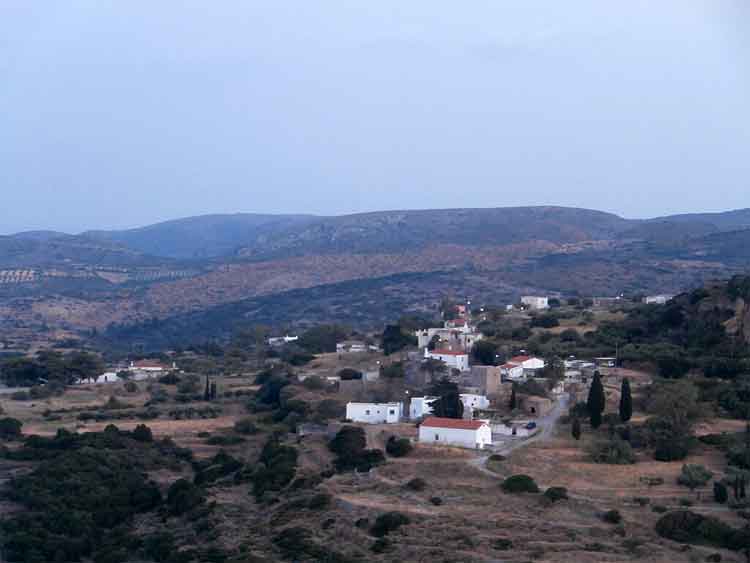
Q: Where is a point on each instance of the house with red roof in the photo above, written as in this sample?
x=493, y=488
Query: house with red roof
x=474, y=434
x=455, y=359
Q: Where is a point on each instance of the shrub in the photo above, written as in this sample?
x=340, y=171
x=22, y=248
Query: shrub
x=688, y=527
x=131, y=387
x=20, y=396
x=437, y=501
x=314, y=383
x=349, y=447
x=520, y=484
x=416, y=484
x=613, y=451
x=388, y=522
x=245, y=426
x=694, y=476
x=556, y=493
x=398, y=447
x=659, y=509
x=142, y=433
x=183, y=496
x=721, y=495
x=319, y=501
x=670, y=451
x=10, y=428
x=612, y=517
x=502, y=544
x=224, y=440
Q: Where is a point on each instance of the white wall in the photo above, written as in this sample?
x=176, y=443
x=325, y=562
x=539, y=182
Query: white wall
x=374, y=413
x=456, y=437
x=459, y=362
x=420, y=407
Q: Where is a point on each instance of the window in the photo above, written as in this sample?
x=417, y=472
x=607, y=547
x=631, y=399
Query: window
x=367, y=411
x=437, y=436
x=392, y=411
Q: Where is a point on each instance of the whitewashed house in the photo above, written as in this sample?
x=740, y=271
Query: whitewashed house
x=518, y=368
x=277, y=341
x=455, y=359
x=657, y=299
x=421, y=407
x=375, y=413
x=534, y=302
x=471, y=402
x=351, y=347
x=107, y=377
x=475, y=434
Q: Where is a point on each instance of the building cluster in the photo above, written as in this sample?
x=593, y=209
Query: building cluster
x=135, y=371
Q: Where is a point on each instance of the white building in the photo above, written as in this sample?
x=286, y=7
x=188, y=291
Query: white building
x=471, y=402
x=107, y=377
x=519, y=368
x=534, y=302
x=375, y=413
x=153, y=366
x=463, y=337
x=351, y=347
x=453, y=358
x=421, y=407
x=657, y=299
x=455, y=432
x=281, y=340
x=517, y=428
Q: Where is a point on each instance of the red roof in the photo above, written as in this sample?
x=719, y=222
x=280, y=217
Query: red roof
x=509, y=365
x=448, y=352
x=149, y=364
x=519, y=359
x=456, y=423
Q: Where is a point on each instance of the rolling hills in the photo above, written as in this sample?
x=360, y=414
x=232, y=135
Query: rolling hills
x=220, y=266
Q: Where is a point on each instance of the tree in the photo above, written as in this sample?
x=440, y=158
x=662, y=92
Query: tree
x=513, y=404
x=434, y=367
x=626, y=401
x=10, y=428
x=576, y=429
x=207, y=391
x=694, y=476
x=721, y=495
x=596, y=401
x=484, y=352
x=434, y=341
x=448, y=404
x=394, y=339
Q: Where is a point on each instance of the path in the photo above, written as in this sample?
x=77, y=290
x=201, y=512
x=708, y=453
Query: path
x=546, y=425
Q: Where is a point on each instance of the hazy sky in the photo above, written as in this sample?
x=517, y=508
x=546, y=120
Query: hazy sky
x=121, y=113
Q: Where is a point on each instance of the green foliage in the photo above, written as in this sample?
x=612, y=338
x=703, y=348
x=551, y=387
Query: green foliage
x=142, y=433
x=484, y=353
x=388, y=522
x=417, y=484
x=520, y=484
x=183, y=496
x=349, y=374
x=596, y=401
x=575, y=429
x=50, y=367
x=393, y=371
x=323, y=338
x=694, y=476
x=349, y=445
x=276, y=467
x=721, y=494
x=398, y=447
x=612, y=517
x=626, y=401
x=689, y=527
x=296, y=543
x=245, y=426
x=219, y=466
x=546, y=320
x=395, y=339
x=612, y=451
x=448, y=404
x=556, y=493
x=10, y=428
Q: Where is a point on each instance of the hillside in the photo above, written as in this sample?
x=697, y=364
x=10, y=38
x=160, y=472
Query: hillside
x=207, y=236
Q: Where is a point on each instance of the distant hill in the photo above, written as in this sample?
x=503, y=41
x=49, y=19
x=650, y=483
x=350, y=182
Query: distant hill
x=725, y=220
x=206, y=236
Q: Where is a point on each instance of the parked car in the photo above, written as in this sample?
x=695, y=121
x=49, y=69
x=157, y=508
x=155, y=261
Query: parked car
x=531, y=426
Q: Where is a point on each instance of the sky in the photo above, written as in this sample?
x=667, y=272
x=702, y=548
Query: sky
x=119, y=114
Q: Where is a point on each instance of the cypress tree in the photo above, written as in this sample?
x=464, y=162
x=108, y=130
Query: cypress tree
x=576, y=429
x=626, y=401
x=596, y=401
x=513, y=401
x=207, y=392
x=720, y=492
x=213, y=390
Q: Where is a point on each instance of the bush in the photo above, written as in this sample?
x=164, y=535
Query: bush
x=556, y=493
x=183, y=496
x=388, y=522
x=613, y=451
x=688, y=527
x=349, y=447
x=224, y=440
x=417, y=484
x=398, y=447
x=612, y=517
x=437, y=501
x=721, y=495
x=245, y=426
x=670, y=451
x=131, y=387
x=520, y=484
x=20, y=396
x=314, y=383
x=659, y=509
x=694, y=476
x=142, y=433
x=10, y=428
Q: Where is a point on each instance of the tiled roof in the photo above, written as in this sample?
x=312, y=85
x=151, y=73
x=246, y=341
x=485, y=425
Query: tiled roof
x=455, y=423
x=519, y=359
x=149, y=364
